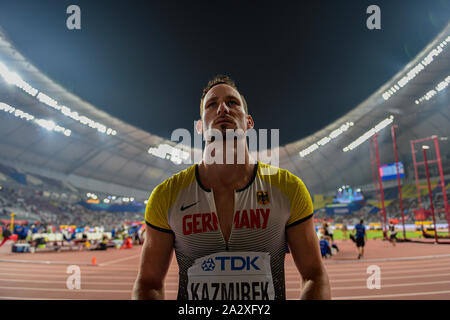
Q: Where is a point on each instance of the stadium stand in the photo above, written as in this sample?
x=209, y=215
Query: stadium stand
x=47, y=170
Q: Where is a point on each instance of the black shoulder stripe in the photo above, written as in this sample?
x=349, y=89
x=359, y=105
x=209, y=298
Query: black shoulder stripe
x=299, y=221
x=158, y=228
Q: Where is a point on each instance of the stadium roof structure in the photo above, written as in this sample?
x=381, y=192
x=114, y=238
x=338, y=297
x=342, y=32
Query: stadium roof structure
x=96, y=151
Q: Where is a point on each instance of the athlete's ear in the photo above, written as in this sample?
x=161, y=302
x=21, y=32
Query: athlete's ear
x=199, y=127
x=250, y=123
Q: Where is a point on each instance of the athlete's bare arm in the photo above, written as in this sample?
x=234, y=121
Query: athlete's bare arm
x=304, y=246
x=155, y=261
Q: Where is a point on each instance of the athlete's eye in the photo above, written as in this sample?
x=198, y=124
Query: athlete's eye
x=231, y=102
x=211, y=104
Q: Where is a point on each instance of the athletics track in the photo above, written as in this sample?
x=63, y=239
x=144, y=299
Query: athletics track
x=408, y=271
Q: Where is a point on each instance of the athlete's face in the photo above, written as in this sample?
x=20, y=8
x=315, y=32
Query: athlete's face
x=223, y=109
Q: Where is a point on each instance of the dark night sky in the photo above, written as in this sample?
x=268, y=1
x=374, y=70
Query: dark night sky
x=300, y=65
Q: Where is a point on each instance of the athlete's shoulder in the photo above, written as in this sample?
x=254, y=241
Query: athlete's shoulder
x=177, y=181
x=277, y=176
x=301, y=207
x=164, y=195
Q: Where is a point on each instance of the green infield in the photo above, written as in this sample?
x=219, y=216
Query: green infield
x=378, y=234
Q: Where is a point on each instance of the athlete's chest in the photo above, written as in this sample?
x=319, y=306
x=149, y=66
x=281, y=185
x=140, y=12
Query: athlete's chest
x=224, y=217
x=224, y=204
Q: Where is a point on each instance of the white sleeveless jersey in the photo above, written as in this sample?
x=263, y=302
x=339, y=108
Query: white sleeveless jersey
x=250, y=266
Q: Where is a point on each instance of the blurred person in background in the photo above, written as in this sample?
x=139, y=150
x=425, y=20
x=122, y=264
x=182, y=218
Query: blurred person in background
x=329, y=234
x=392, y=234
x=344, y=231
x=20, y=231
x=360, y=238
x=7, y=235
x=325, y=248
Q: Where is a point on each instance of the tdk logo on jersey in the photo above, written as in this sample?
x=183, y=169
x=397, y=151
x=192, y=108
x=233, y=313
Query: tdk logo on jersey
x=208, y=265
x=237, y=263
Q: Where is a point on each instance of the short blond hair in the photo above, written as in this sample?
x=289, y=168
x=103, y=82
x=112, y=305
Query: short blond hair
x=221, y=79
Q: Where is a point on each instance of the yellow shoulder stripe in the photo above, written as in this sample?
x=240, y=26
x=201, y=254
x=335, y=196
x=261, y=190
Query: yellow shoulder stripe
x=164, y=195
x=301, y=205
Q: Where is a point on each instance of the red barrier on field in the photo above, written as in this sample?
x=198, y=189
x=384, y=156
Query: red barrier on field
x=432, y=144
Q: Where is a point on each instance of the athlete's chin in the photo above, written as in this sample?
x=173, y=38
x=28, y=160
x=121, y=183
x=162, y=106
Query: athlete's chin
x=225, y=126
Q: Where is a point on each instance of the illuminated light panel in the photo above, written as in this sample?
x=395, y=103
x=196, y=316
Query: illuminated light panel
x=15, y=79
x=438, y=88
x=334, y=134
x=92, y=196
x=380, y=126
x=308, y=150
x=48, y=101
x=46, y=124
x=165, y=151
x=324, y=141
x=416, y=69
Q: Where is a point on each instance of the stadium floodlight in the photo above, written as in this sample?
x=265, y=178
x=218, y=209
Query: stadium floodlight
x=418, y=68
x=92, y=196
x=13, y=78
x=308, y=150
x=380, y=126
x=42, y=97
x=165, y=151
x=425, y=147
x=324, y=141
x=46, y=124
x=443, y=84
x=431, y=93
x=51, y=126
x=333, y=135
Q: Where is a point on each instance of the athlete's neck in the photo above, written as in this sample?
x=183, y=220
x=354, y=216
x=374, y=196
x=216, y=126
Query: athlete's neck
x=229, y=176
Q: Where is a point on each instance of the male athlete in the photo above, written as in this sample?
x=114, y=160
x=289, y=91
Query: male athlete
x=229, y=223
x=360, y=238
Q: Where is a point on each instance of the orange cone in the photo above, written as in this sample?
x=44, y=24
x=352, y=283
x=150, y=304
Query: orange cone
x=94, y=261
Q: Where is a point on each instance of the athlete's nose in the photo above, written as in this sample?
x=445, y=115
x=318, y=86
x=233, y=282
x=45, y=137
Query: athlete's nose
x=223, y=108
